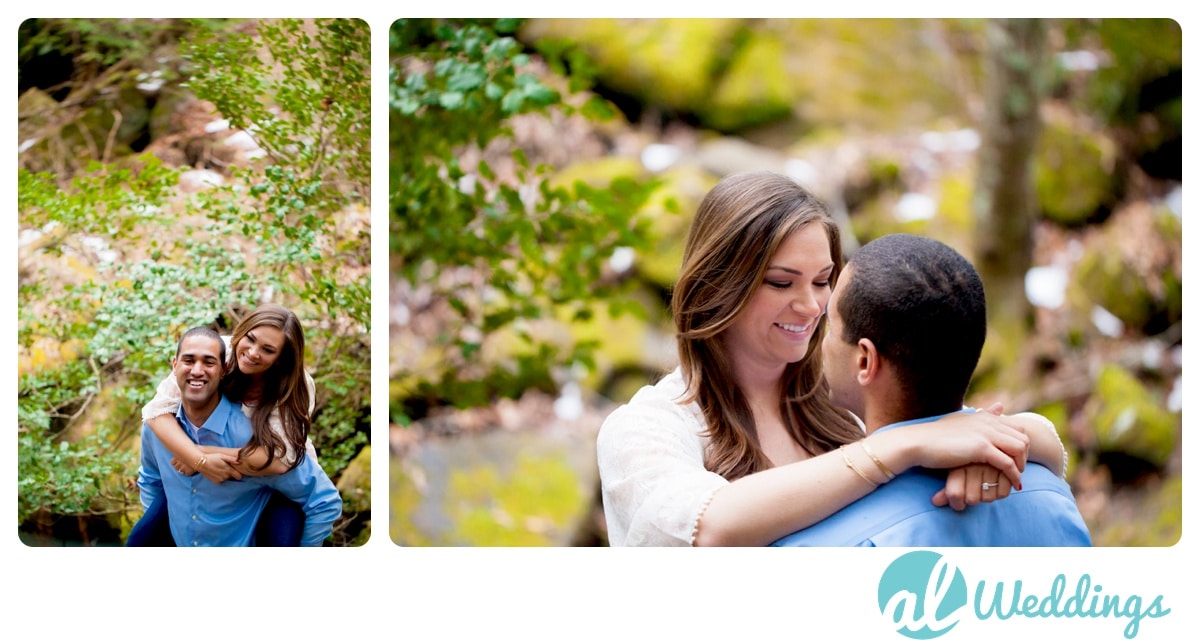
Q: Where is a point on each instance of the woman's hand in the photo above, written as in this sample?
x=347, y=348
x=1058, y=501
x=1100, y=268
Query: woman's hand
x=965, y=487
x=248, y=464
x=218, y=466
x=970, y=438
x=180, y=467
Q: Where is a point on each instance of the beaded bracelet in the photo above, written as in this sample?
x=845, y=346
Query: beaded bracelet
x=1050, y=425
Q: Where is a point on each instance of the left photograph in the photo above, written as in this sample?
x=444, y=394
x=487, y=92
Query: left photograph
x=194, y=292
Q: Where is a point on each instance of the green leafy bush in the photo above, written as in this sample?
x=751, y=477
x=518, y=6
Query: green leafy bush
x=496, y=251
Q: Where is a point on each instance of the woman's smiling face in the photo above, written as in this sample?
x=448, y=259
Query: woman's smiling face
x=259, y=349
x=777, y=325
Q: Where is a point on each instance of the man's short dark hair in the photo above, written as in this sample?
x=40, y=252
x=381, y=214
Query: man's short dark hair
x=207, y=332
x=922, y=305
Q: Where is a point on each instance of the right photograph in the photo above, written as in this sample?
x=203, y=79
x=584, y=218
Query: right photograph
x=785, y=282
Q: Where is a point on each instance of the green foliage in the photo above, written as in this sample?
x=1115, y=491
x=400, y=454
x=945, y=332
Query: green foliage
x=1137, y=51
x=536, y=246
x=304, y=92
x=97, y=42
x=71, y=476
x=273, y=232
x=58, y=471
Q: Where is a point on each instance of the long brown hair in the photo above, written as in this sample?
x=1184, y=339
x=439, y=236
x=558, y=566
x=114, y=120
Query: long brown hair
x=283, y=384
x=738, y=227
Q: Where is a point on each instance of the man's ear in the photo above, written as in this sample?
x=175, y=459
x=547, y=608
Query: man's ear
x=867, y=362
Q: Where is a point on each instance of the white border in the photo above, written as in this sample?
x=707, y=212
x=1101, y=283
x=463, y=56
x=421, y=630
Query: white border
x=531, y=593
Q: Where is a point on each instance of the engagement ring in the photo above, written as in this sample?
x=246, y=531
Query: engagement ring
x=989, y=485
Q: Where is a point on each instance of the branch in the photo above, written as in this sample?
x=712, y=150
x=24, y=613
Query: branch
x=112, y=135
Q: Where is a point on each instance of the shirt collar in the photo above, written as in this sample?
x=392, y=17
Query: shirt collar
x=905, y=423
x=215, y=422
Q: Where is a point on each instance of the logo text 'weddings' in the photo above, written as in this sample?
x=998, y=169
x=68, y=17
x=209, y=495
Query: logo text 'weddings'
x=925, y=596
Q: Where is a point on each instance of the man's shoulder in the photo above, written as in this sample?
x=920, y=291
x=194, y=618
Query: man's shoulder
x=901, y=513
x=1042, y=513
x=304, y=472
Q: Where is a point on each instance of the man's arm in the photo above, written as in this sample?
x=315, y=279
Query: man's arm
x=149, y=481
x=322, y=504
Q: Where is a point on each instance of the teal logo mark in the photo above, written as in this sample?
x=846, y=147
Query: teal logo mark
x=923, y=594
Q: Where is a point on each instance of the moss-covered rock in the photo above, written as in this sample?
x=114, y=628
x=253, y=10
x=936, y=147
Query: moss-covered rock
x=735, y=75
x=34, y=110
x=1102, y=277
x=1073, y=173
x=355, y=483
x=640, y=342
x=866, y=180
x=1133, y=268
x=1129, y=419
x=169, y=110
x=599, y=172
x=756, y=87
x=667, y=62
x=42, y=147
x=1108, y=282
x=951, y=221
x=121, y=116
x=1170, y=300
x=874, y=74
x=1153, y=517
x=877, y=218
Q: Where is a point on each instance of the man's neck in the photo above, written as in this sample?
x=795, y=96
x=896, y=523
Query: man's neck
x=198, y=414
x=881, y=412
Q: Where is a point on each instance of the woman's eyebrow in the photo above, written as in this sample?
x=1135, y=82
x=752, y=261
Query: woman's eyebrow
x=797, y=272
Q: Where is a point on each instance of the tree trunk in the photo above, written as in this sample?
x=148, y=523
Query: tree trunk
x=1005, y=201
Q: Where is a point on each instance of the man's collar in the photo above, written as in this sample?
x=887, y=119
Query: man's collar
x=921, y=420
x=216, y=420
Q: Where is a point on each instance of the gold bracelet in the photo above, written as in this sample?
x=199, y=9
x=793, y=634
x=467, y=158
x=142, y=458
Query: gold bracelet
x=201, y=461
x=850, y=464
x=887, y=473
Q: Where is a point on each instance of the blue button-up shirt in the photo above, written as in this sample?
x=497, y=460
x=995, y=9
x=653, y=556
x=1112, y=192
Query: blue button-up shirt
x=901, y=514
x=206, y=514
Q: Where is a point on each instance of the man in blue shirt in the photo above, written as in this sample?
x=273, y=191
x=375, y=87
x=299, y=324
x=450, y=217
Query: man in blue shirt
x=203, y=513
x=907, y=323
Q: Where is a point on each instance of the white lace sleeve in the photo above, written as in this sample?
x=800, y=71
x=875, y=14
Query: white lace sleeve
x=288, y=455
x=652, y=475
x=165, y=401
x=1049, y=425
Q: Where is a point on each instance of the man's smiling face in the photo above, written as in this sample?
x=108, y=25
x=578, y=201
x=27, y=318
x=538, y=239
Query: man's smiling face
x=198, y=369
